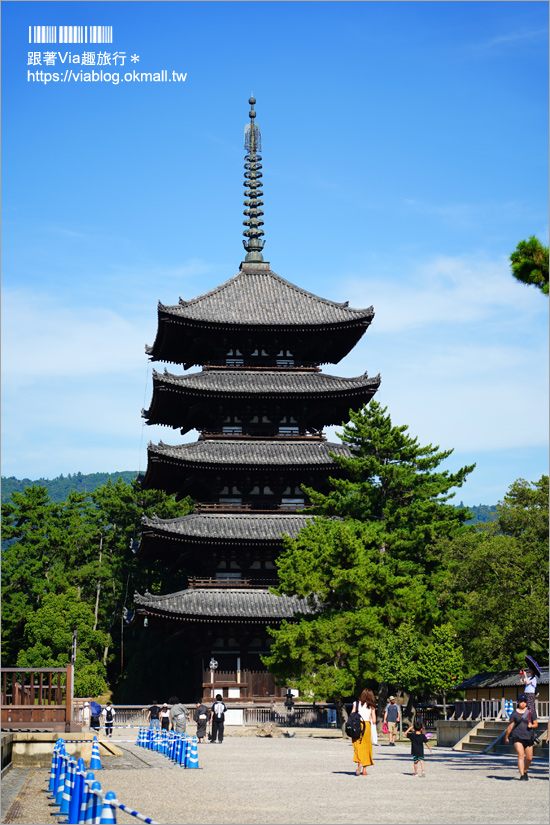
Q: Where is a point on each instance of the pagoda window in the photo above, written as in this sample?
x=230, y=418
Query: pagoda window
x=268, y=491
x=259, y=351
x=265, y=420
x=289, y=430
x=234, y=358
x=255, y=420
x=255, y=491
x=294, y=503
x=285, y=358
x=232, y=425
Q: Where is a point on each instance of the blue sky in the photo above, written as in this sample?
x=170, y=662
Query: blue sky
x=404, y=154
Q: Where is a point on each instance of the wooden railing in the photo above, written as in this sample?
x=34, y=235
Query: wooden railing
x=253, y=685
x=196, y=581
x=247, y=508
x=36, y=697
x=207, y=434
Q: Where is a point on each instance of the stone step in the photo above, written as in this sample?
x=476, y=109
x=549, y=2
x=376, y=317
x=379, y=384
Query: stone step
x=475, y=747
x=538, y=751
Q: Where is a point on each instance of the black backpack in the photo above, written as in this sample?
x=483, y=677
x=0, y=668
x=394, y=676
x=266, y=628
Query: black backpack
x=353, y=725
x=108, y=715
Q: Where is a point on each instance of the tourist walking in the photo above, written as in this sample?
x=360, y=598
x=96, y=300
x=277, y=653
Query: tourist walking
x=200, y=716
x=164, y=716
x=108, y=714
x=217, y=718
x=521, y=731
x=529, y=679
x=178, y=715
x=86, y=716
x=153, y=715
x=362, y=747
x=418, y=739
x=95, y=713
x=391, y=718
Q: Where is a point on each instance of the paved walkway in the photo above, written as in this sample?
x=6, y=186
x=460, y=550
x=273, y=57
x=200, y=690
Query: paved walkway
x=301, y=781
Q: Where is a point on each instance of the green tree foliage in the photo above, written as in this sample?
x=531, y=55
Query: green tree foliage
x=493, y=585
x=82, y=546
x=393, y=484
x=365, y=569
x=48, y=637
x=530, y=263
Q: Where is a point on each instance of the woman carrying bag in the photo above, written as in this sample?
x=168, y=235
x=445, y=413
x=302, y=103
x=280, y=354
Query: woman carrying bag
x=521, y=732
x=362, y=747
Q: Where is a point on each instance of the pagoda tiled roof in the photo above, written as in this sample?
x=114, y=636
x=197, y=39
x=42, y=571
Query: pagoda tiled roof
x=200, y=527
x=259, y=297
x=222, y=604
x=255, y=453
x=247, y=382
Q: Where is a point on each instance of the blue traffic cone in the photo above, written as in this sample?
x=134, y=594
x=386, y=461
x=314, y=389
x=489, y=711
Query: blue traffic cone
x=193, y=761
x=68, y=787
x=141, y=737
x=62, y=779
x=86, y=785
x=95, y=763
x=93, y=806
x=62, y=776
x=187, y=751
x=53, y=769
x=77, y=793
x=108, y=813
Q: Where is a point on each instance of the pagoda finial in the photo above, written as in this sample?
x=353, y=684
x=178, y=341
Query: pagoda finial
x=253, y=192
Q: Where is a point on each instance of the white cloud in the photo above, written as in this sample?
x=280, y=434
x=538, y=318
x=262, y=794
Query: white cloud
x=41, y=338
x=455, y=290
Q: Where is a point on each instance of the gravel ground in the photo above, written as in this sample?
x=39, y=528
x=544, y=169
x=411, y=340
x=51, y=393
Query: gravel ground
x=301, y=781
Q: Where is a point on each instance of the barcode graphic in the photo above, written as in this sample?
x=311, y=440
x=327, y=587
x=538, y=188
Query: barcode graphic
x=70, y=34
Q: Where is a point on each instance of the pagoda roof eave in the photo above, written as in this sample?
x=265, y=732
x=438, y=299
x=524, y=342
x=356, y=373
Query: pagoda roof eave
x=261, y=298
x=222, y=605
x=245, y=455
x=223, y=527
x=265, y=382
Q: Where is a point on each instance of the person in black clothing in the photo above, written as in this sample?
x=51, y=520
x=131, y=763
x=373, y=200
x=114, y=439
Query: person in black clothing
x=217, y=717
x=153, y=716
x=522, y=721
x=418, y=738
x=200, y=716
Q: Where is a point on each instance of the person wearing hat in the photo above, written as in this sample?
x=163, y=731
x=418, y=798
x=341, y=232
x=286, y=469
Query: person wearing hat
x=520, y=731
x=164, y=717
x=86, y=715
x=391, y=718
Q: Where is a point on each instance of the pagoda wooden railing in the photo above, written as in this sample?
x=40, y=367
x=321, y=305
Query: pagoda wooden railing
x=247, y=508
x=36, y=697
x=196, y=581
x=307, y=367
x=279, y=436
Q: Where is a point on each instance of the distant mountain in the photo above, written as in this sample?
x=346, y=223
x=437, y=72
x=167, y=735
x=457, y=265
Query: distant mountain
x=481, y=512
x=60, y=487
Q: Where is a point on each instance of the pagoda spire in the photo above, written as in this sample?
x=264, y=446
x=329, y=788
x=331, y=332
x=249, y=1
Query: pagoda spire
x=253, y=191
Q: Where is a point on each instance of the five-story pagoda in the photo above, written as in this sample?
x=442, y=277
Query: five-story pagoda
x=260, y=403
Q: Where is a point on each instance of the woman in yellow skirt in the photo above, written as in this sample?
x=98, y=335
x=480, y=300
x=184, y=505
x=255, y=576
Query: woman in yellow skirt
x=362, y=747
